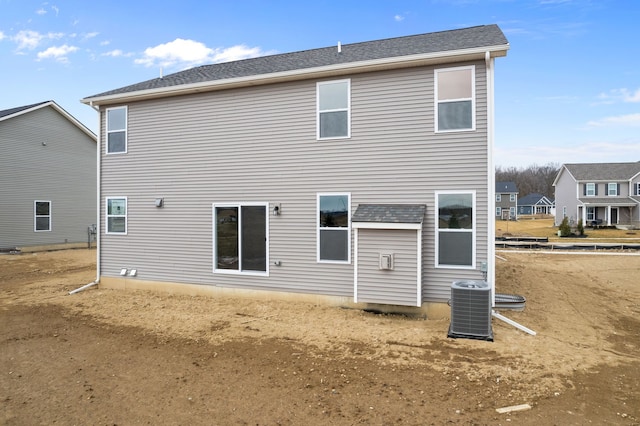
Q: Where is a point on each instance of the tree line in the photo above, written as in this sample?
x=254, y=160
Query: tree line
x=530, y=179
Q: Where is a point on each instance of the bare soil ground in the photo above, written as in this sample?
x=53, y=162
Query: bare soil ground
x=126, y=357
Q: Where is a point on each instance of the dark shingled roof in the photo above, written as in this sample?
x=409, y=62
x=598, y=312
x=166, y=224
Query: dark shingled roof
x=532, y=199
x=15, y=110
x=466, y=38
x=390, y=213
x=506, y=187
x=603, y=171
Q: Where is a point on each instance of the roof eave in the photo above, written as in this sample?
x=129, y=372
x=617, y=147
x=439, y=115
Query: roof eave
x=299, y=74
x=61, y=110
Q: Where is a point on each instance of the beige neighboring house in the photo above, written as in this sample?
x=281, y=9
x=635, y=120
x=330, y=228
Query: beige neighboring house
x=356, y=173
x=599, y=194
x=47, y=178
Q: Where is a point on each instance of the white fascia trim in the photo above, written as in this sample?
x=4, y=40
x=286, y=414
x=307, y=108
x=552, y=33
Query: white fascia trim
x=61, y=110
x=380, y=225
x=318, y=72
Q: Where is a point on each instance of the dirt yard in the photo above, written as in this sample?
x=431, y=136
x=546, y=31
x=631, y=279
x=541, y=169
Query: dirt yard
x=109, y=357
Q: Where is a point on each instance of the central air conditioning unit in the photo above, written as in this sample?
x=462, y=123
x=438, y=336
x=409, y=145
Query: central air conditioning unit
x=471, y=310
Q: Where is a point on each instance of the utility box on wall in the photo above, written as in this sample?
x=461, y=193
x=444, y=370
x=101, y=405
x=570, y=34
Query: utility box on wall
x=386, y=261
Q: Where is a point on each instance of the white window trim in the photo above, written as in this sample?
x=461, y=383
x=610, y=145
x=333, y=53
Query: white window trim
x=614, y=186
x=590, y=185
x=472, y=98
x=498, y=211
x=498, y=198
x=637, y=188
x=512, y=198
x=36, y=216
x=239, y=205
x=318, y=227
x=348, y=109
x=473, y=230
x=107, y=216
x=126, y=130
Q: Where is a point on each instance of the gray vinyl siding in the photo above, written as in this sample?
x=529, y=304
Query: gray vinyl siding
x=397, y=286
x=566, y=195
x=62, y=172
x=259, y=144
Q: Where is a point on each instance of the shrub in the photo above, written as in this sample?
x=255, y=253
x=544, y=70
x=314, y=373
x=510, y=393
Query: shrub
x=565, y=229
x=580, y=228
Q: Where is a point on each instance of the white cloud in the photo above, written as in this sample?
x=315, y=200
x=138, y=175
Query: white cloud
x=187, y=53
x=41, y=12
x=59, y=53
x=619, y=95
x=88, y=36
x=2, y=36
x=619, y=120
x=55, y=9
x=398, y=18
x=28, y=39
x=116, y=53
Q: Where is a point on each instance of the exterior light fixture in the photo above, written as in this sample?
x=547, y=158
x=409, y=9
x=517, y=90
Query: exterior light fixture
x=123, y=272
x=133, y=272
x=159, y=202
x=277, y=210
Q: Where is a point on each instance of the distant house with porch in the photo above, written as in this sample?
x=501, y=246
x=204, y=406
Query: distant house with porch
x=506, y=200
x=598, y=193
x=535, y=204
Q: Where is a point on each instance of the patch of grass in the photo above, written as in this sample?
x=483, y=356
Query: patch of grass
x=546, y=228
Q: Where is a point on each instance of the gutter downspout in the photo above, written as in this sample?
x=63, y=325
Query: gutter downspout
x=491, y=181
x=98, y=174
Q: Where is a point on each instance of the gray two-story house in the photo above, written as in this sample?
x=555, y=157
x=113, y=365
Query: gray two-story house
x=47, y=178
x=506, y=200
x=357, y=173
x=605, y=194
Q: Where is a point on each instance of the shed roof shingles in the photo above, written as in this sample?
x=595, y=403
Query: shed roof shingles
x=390, y=213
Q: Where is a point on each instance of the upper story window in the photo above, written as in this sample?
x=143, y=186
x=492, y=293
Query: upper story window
x=638, y=188
x=42, y=216
x=613, y=189
x=116, y=215
x=334, y=109
x=512, y=197
x=455, y=99
x=498, y=197
x=116, y=130
x=590, y=189
x=334, y=228
x=455, y=229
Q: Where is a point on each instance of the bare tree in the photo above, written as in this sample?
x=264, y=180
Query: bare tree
x=531, y=179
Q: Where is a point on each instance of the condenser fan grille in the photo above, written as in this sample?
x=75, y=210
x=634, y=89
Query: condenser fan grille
x=471, y=310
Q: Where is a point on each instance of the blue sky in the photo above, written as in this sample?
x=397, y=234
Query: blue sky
x=568, y=90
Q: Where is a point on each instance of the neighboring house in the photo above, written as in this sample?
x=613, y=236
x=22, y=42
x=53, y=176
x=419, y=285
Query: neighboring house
x=598, y=193
x=47, y=177
x=506, y=200
x=535, y=204
x=355, y=173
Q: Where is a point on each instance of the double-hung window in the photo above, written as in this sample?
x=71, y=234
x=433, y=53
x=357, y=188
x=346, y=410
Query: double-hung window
x=498, y=198
x=117, y=130
x=455, y=229
x=612, y=189
x=512, y=198
x=42, y=216
x=240, y=238
x=334, y=228
x=638, y=188
x=334, y=109
x=455, y=99
x=590, y=189
x=116, y=215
